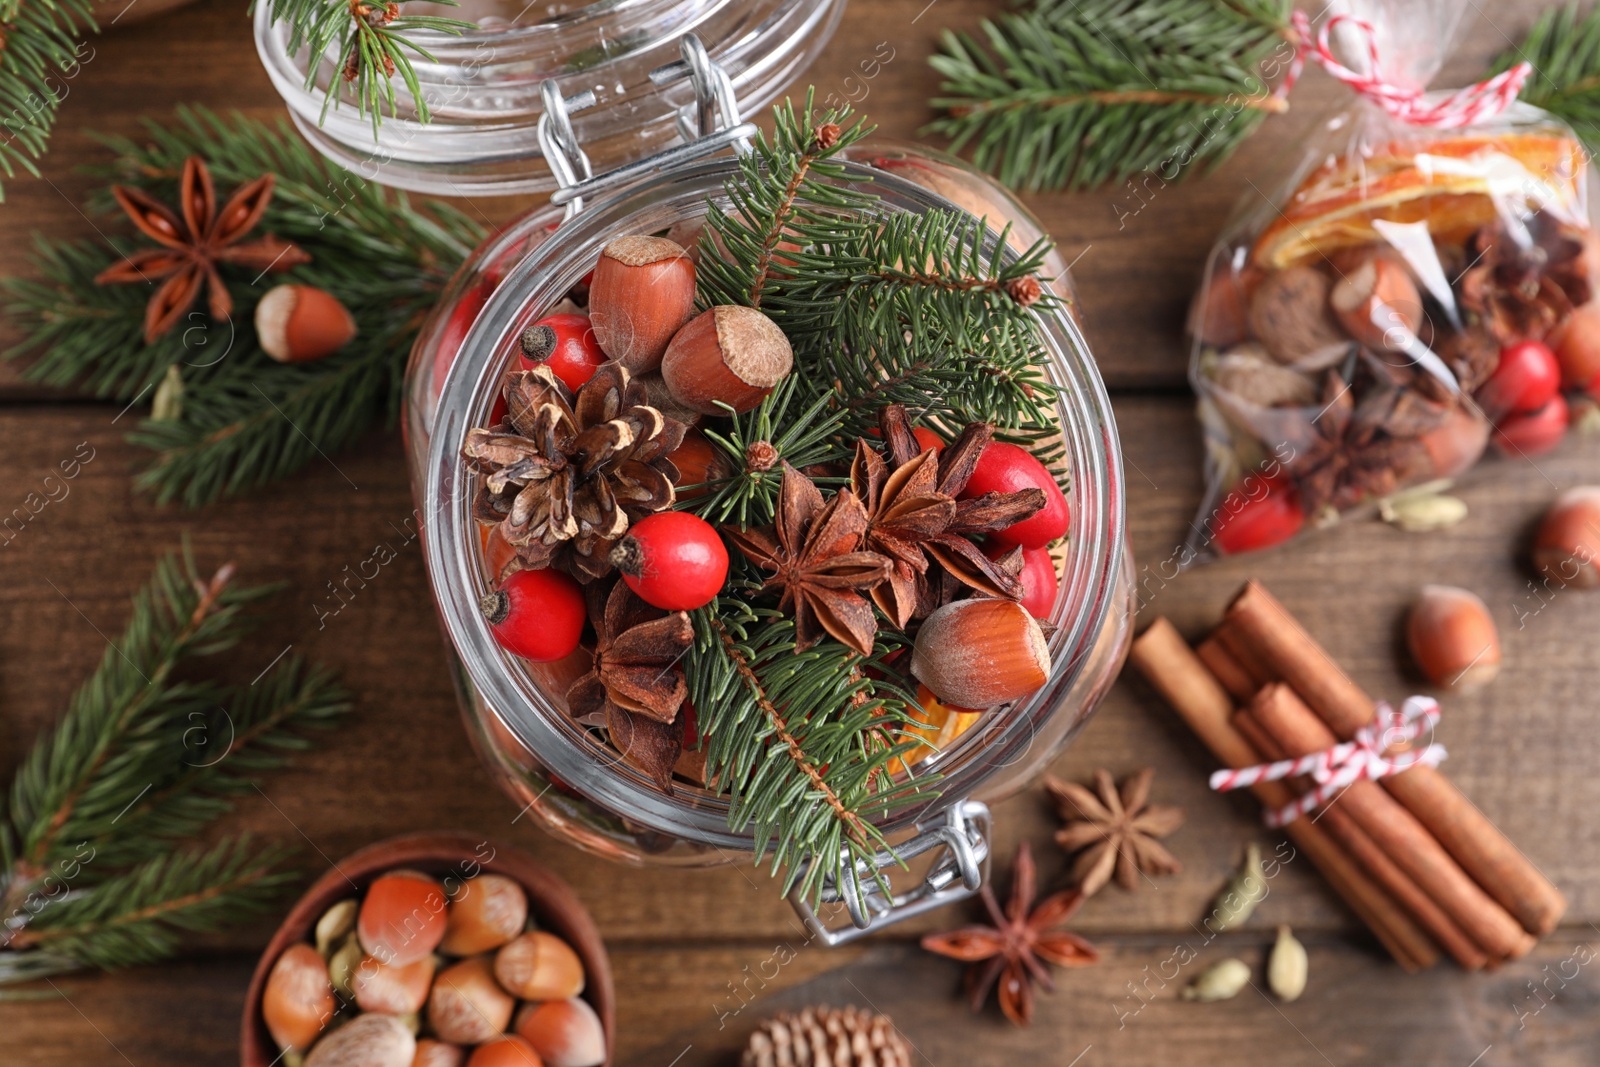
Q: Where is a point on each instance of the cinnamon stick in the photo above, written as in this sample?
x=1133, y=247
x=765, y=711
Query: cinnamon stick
x=1402, y=837
x=1166, y=660
x=1227, y=670
x=1284, y=646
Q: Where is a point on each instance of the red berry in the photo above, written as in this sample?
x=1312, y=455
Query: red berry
x=462, y=316
x=1005, y=468
x=537, y=615
x=1525, y=379
x=1039, y=581
x=1530, y=433
x=1260, y=513
x=565, y=343
x=927, y=438
x=672, y=559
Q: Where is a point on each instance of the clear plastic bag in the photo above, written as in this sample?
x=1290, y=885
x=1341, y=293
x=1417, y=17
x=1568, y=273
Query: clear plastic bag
x=1407, y=294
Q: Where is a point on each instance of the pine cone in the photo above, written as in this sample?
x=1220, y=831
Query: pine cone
x=827, y=1037
x=564, y=475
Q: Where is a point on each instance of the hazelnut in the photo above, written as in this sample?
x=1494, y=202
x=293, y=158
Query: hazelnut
x=435, y=1053
x=335, y=925
x=658, y=396
x=699, y=464
x=1289, y=313
x=642, y=293
x=402, y=917
x=298, y=999
x=539, y=966
x=1457, y=442
x=301, y=323
x=1567, y=547
x=1577, y=346
x=372, y=1040
x=1219, y=313
x=981, y=652
x=1378, y=304
x=467, y=1006
x=490, y=910
x=393, y=989
x=565, y=1033
x=505, y=1052
x=728, y=355
x=1452, y=638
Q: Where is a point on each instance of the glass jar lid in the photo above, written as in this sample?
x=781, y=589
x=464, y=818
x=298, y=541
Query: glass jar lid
x=483, y=89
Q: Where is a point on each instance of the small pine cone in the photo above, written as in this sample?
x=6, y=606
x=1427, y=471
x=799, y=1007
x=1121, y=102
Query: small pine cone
x=828, y=135
x=760, y=456
x=1025, y=290
x=827, y=1037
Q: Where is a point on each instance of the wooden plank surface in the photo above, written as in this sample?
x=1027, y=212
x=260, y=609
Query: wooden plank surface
x=1524, y=749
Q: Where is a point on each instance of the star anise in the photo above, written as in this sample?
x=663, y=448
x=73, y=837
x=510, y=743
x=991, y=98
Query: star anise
x=1018, y=944
x=1115, y=831
x=913, y=514
x=1526, y=277
x=815, y=553
x=195, y=239
x=566, y=474
x=637, y=686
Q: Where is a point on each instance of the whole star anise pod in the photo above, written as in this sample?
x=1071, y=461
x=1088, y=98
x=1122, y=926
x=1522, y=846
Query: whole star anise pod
x=565, y=474
x=637, y=686
x=1019, y=942
x=815, y=554
x=195, y=239
x=913, y=514
x=1112, y=831
x=1525, y=277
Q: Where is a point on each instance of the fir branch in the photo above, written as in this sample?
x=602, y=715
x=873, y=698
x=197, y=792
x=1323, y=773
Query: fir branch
x=371, y=41
x=1078, y=93
x=1564, y=47
x=245, y=419
x=801, y=742
x=39, y=48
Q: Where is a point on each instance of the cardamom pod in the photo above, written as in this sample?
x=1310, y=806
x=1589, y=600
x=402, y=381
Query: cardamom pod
x=1421, y=513
x=335, y=924
x=342, y=966
x=1287, y=967
x=1221, y=981
x=1240, y=896
x=167, y=404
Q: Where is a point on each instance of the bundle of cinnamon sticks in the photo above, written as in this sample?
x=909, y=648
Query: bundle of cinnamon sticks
x=1410, y=855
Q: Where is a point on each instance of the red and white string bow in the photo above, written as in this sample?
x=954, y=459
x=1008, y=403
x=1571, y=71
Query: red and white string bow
x=1463, y=107
x=1350, y=761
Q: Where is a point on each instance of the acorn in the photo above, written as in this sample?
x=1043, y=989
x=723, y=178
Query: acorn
x=371, y=1040
x=1566, y=549
x=490, y=910
x=642, y=294
x=539, y=966
x=505, y=1052
x=402, y=918
x=565, y=1033
x=298, y=999
x=467, y=1006
x=432, y=1052
x=1452, y=638
x=727, y=355
x=1378, y=304
x=981, y=652
x=301, y=323
x=392, y=989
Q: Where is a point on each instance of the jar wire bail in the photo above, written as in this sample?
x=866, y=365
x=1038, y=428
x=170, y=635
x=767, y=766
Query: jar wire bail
x=707, y=126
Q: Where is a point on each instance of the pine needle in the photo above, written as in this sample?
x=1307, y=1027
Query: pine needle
x=39, y=53
x=1564, y=47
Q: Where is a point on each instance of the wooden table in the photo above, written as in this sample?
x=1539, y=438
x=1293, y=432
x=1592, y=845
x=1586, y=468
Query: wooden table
x=685, y=943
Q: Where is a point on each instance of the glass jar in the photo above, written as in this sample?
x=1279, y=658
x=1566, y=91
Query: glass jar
x=565, y=778
x=483, y=89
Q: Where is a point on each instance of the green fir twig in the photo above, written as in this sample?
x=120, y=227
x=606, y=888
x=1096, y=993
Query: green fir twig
x=1564, y=47
x=40, y=51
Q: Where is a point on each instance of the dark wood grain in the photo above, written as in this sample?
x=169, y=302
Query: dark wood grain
x=685, y=942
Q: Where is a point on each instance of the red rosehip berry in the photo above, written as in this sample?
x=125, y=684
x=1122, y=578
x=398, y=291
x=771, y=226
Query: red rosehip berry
x=672, y=559
x=1006, y=468
x=1260, y=513
x=927, y=438
x=462, y=316
x=565, y=343
x=538, y=615
x=1530, y=433
x=1039, y=580
x=1525, y=379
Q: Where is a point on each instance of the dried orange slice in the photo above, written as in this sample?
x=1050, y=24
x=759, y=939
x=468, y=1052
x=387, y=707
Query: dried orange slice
x=1452, y=185
x=937, y=724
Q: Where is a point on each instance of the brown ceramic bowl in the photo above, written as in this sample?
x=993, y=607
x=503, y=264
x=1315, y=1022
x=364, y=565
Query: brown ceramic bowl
x=550, y=902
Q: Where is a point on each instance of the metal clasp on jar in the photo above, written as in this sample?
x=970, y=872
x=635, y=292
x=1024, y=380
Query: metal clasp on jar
x=707, y=127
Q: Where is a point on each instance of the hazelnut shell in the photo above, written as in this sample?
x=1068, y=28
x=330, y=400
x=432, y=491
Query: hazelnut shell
x=641, y=294
x=392, y=989
x=726, y=355
x=403, y=917
x=565, y=1033
x=1566, y=548
x=488, y=911
x=467, y=1006
x=539, y=966
x=510, y=1051
x=298, y=998
x=1452, y=638
x=432, y=1052
x=301, y=323
x=981, y=652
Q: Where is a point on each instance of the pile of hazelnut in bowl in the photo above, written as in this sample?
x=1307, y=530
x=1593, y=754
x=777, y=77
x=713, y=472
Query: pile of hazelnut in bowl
x=432, y=951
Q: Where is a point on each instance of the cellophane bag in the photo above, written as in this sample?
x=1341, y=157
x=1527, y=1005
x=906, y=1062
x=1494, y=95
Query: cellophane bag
x=1409, y=294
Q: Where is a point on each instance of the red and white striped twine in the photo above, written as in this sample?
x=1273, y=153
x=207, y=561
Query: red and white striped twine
x=1464, y=107
x=1349, y=761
